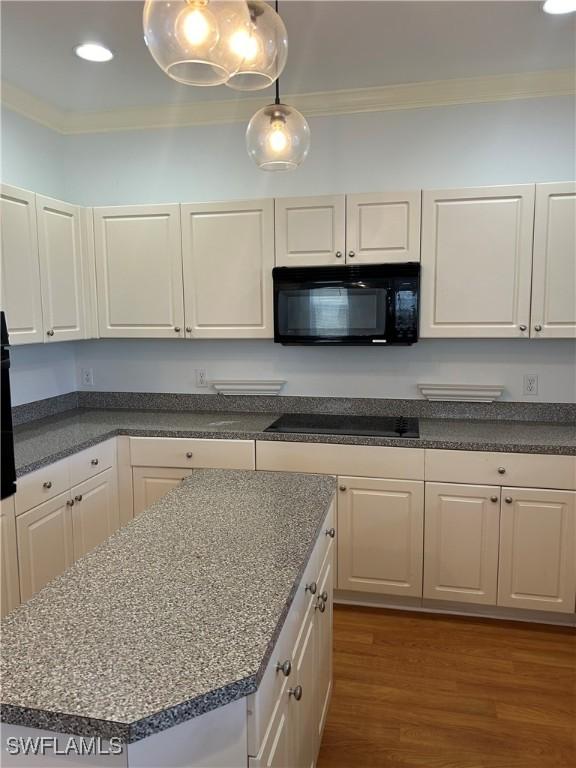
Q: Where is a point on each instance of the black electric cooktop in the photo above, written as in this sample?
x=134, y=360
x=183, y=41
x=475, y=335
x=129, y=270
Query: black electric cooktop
x=370, y=426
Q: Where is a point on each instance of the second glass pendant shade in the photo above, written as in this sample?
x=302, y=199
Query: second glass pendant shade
x=196, y=41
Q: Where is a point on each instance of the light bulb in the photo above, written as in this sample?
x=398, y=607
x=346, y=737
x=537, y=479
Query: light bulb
x=246, y=45
x=198, y=27
x=559, y=6
x=277, y=138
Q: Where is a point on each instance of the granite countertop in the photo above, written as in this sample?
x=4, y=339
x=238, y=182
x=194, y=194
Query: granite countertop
x=174, y=615
x=46, y=440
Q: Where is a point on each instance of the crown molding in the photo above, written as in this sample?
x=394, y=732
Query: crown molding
x=432, y=93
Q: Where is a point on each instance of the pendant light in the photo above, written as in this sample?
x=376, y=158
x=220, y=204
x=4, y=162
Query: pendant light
x=265, y=49
x=193, y=40
x=278, y=136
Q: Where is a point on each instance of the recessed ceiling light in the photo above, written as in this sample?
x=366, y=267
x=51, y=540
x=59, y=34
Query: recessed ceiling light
x=560, y=6
x=93, y=52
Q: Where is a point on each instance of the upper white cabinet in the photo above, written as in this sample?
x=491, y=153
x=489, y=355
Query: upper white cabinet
x=477, y=262
x=310, y=231
x=351, y=229
x=228, y=256
x=383, y=228
x=554, y=267
x=61, y=269
x=139, y=271
x=21, y=296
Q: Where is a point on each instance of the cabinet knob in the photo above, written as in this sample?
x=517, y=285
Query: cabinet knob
x=351, y=254
x=330, y=532
x=70, y=503
x=296, y=692
x=312, y=587
x=342, y=487
x=320, y=604
x=523, y=327
x=94, y=462
x=47, y=484
x=508, y=499
x=78, y=498
x=538, y=328
x=188, y=329
x=501, y=470
x=338, y=254
x=494, y=499
x=189, y=454
x=50, y=332
x=324, y=596
x=176, y=329
x=285, y=667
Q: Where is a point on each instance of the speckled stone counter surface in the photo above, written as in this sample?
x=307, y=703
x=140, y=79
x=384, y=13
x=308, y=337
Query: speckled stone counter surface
x=174, y=615
x=46, y=440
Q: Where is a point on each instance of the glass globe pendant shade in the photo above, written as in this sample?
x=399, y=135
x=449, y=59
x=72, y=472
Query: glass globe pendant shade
x=192, y=40
x=264, y=48
x=278, y=138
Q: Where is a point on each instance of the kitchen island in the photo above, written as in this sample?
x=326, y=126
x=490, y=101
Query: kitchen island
x=178, y=614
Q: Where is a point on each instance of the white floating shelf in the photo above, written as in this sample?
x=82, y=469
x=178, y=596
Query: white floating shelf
x=248, y=386
x=469, y=393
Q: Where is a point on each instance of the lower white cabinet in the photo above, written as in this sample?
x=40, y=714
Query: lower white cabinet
x=151, y=483
x=380, y=535
x=9, y=587
x=95, y=514
x=45, y=545
x=538, y=550
x=461, y=535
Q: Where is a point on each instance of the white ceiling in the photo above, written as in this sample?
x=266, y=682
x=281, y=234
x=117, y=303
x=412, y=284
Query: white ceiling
x=332, y=46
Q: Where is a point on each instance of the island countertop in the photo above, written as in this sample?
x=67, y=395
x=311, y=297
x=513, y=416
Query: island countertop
x=46, y=440
x=174, y=615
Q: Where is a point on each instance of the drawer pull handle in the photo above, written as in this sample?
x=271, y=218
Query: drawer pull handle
x=320, y=604
x=70, y=503
x=494, y=499
x=330, y=532
x=312, y=587
x=508, y=499
x=284, y=667
x=501, y=470
x=78, y=498
x=47, y=484
x=189, y=454
x=296, y=692
x=94, y=462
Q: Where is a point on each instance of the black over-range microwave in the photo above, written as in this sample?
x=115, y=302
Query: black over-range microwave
x=356, y=305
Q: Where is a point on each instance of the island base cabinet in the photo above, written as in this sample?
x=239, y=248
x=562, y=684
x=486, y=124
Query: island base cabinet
x=95, y=514
x=380, y=535
x=10, y=589
x=537, y=567
x=45, y=546
x=461, y=542
x=152, y=483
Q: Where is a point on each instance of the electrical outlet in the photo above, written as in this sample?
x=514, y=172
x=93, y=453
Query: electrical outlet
x=87, y=377
x=530, y=384
x=201, y=377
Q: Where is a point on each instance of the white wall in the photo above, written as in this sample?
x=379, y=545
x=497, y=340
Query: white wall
x=507, y=142
x=169, y=366
x=41, y=370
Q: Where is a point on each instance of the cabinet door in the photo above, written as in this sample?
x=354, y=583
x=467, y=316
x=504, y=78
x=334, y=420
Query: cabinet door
x=310, y=231
x=383, y=227
x=278, y=750
x=537, y=550
x=380, y=535
x=21, y=298
x=45, y=547
x=477, y=262
x=95, y=515
x=461, y=535
x=139, y=271
x=61, y=269
x=151, y=483
x=554, y=268
x=9, y=587
x=305, y=711
x=228, y=256
x=323, y=620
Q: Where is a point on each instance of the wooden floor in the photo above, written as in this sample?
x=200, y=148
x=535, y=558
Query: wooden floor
x=427, y=691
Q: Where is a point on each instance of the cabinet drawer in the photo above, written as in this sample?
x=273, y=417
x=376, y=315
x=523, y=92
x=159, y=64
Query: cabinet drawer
x=329, y=459
x=182, y=452
x=485, y=468
x=44, y=484
x=90, y=462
